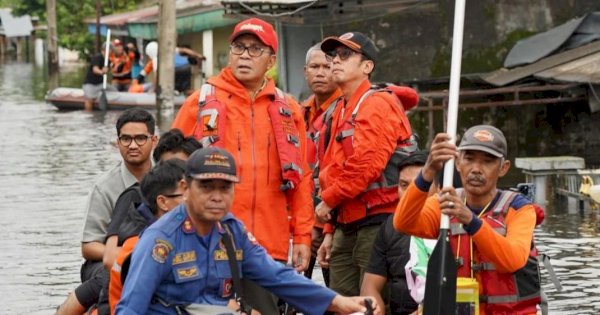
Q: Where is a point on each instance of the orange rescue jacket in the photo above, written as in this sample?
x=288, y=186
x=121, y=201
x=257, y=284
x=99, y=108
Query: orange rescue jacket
x=121, y=67
x=316, y=125
x=249, y=136
x=419, y=215
x=379, y=126
x=115, y=285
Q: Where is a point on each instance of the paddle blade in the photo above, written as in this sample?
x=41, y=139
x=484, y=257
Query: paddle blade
x=440, y=288
x=102, y=101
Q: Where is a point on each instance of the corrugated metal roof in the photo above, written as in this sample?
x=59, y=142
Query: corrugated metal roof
x=318, y=11
x=192, y=16
x=12, y=26
x=504, y=76
x=197, y=20
x=120, y=19
x=570, y=35
x=582, y=70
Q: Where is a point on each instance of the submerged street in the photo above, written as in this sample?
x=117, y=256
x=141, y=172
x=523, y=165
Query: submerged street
x=50, y=159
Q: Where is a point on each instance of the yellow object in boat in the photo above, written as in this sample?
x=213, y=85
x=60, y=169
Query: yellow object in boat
x=467, y=296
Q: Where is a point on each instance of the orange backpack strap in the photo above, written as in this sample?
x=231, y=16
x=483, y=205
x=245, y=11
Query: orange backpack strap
x=287, y=139
x=210, y=124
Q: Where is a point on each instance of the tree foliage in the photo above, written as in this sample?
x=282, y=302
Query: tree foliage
x=70, y=15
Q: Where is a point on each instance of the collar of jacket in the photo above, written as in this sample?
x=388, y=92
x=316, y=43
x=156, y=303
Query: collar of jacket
x=228, y=82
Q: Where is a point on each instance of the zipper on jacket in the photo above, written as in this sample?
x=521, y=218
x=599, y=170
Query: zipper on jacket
x=268, y=159
x=239, y=138
x=253, y=141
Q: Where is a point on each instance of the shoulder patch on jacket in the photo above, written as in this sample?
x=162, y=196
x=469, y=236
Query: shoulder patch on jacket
x=173, y=221
x=519, y=202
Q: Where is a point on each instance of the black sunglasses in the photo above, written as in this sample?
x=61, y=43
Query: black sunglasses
x=343, y=52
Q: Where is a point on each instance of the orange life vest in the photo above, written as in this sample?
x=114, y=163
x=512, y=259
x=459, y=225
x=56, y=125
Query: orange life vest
x=385, y=189
x=503, y=293
x=118, y=272
x=316, y=134
x=210, y=129
x=121, y=67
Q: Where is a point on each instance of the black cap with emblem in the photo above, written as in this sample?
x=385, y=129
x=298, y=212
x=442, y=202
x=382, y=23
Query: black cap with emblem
x=211, y=163
x=354, y=40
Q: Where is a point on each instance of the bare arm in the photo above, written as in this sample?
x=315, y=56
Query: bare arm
x=372, y=285
x=92, y=251
x=111, y=250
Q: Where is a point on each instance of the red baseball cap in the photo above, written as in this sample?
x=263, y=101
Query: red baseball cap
x=259, y=28
x=117, y=42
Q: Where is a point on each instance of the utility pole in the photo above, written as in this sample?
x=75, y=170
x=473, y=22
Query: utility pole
x=98, y=14
x=52, y=38
x=167, y=37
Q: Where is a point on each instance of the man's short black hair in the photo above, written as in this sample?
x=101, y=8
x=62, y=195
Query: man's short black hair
x=161, y=180
x=138, y=115
x=174, y=141
x=417, y=158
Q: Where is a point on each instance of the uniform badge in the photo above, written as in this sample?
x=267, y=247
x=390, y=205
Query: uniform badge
x=219, y=255
x=161, y=251
x=187, y=226
x=184, y=257
x=251, y=238
x=187, y=273
x=227, y=288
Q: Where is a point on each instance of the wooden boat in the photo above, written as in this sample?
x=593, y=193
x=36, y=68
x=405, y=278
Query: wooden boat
x=73, y=99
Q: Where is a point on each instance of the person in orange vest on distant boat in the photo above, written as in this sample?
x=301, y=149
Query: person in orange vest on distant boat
x=318, y=111
x=242, y=111
x=491, y=230
x=368, y=126
x=184, y=58
x=121, y=62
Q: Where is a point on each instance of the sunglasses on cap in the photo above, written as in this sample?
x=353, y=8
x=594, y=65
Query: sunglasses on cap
x=343, y=52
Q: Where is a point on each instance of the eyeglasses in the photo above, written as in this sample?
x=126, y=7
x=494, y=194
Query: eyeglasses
x=173, y=195
x=125, y=140
x=253, y=51
x=343, y=52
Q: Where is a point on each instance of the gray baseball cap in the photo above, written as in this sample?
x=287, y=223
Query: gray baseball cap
x=484, y=138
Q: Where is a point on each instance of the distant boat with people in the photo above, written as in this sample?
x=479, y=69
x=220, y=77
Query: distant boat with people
x=73, y=99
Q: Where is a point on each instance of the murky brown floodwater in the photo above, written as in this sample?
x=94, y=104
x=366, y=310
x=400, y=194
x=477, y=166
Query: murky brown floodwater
x=49, y=159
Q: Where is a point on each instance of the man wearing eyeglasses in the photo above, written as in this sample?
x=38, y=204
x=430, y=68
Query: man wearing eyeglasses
x=136, y=139
x=242, y=111
x=367, y=127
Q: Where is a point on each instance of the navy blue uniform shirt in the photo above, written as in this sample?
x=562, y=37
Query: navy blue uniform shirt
x=172, y=262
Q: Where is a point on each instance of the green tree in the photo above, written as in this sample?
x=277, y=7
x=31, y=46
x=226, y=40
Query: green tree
x=70, y=15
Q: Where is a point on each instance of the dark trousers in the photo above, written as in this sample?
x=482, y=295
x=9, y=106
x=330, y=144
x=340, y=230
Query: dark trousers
x=93, y=277
x=314, y=247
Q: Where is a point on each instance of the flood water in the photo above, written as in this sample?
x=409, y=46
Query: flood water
x=49, y=160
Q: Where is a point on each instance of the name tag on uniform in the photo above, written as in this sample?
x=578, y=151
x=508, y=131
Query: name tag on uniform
x=222, y=255
x=184, y=257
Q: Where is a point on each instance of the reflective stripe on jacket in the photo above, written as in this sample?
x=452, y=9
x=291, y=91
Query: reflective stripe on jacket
x=379, y=126
x=418, y=215
x=249, y=136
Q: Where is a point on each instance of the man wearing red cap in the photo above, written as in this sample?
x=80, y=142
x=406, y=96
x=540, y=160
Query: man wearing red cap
x=356, y=176
x=242, y=111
